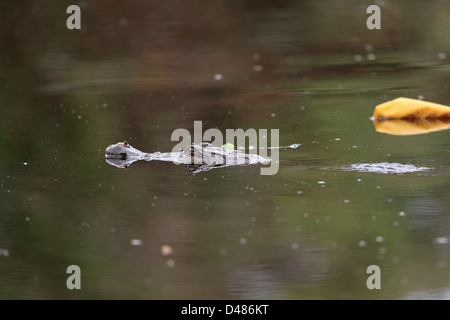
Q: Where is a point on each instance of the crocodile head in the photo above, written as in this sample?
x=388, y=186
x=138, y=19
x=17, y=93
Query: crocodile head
x=122, y=154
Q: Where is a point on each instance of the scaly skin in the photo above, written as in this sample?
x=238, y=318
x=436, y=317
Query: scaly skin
x=196, y=158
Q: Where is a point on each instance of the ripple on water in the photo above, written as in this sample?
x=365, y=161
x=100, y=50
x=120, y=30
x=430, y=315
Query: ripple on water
x=385, y=167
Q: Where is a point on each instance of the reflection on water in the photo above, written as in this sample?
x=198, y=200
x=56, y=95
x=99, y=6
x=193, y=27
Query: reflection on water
x=138, y=70
x=410, y=127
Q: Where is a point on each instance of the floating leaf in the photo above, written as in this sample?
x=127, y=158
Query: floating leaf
x=406, y=108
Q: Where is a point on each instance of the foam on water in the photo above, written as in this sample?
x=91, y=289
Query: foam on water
x=385, y=167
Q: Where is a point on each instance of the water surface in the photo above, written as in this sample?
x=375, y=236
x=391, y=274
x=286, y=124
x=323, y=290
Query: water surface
x=137, y=71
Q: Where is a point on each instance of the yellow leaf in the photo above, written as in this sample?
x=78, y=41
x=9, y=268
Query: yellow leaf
x=406, y=108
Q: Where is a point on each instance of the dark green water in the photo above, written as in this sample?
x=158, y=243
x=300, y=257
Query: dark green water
x=138, y=70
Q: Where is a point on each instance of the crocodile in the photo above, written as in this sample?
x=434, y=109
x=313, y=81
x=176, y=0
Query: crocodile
x=196, y=157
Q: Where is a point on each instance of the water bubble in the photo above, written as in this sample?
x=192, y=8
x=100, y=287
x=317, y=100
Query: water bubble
x=346, y=201
x=123, y=22
x=218, y=77
x=166, y=250
x=441, y=264
x=258, y=68
x=294, y=246
x=368, y=47
x=401, y=213
x=243, y=241
x=273, y=115
x=371, y=56
x=321, y=182
x=442, y=55
x=4, y=252
x=362, y=243
x=441, y=240
x=299, y=192
x=358, y=58
x=379, y=239
x=136, y=242
x=170, y=263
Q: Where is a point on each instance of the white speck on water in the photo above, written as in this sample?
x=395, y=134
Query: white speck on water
x=321, y=182
x=378, y=187
x=136, y=242
x=123, y=22
x=441, y=264
x=294, y=246
x=371, y=56
x=258, y=68
x=379, y=239
x=442, y=55
x=441, y=240
x=243, y=241
x=359, y=180
x=273, y=115
x=374, y=217
x=354, y=147
x=223, y=252
x=299, y=192
x=305, y=215
x=27, y=219
x=362, y=243
x=368, y=47
x=302, y=108
x=170, y=263
x=79, y=117
x=166, y=250
x=4, y=252
x=358, y=58
x=420, y=97
x=346, y=201
x=401, y=214
x=218, y=77
x=337, y=139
